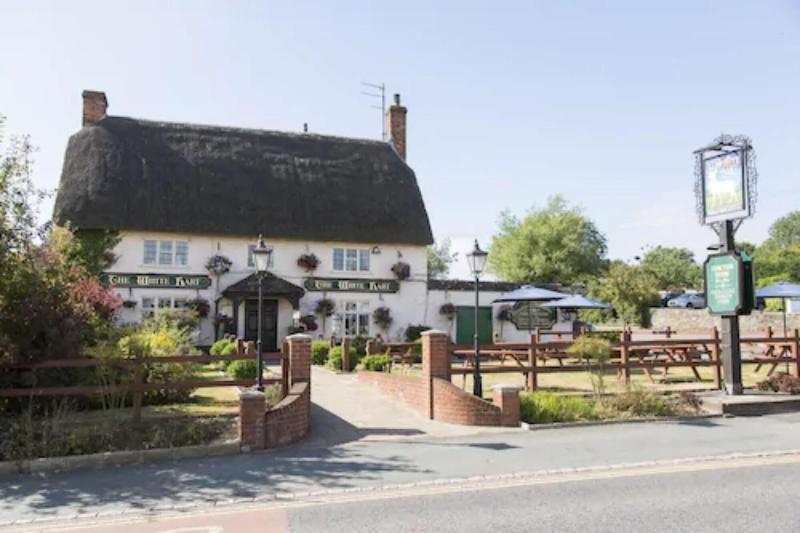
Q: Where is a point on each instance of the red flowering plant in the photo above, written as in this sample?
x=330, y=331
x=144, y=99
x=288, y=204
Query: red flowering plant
x=308, y=262
x=448, y=310
x=401, y=270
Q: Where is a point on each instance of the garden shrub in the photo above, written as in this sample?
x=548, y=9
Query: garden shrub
x=780, y=382
x=639, y=402
x=224, y=346
x=244, y=369
x=335, y=358
x=377, y=363
x=593, y=351
x=319, y=352
x=547, y=408
x=414, y=332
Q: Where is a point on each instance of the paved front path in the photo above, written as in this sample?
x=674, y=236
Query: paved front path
x=345, y=409
x=362, y=464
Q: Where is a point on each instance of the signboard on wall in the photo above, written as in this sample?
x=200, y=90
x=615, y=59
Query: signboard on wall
x=154, y=281
x=352, y=285
x=527, y=316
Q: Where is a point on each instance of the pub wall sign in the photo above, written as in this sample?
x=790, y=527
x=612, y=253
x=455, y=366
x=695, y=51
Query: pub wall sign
x=154, y=281
x=352, y=285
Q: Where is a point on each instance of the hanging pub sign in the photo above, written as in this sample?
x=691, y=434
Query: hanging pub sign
x=352, y=285
x=725, y=179
x=729, y=284
x=154, y=281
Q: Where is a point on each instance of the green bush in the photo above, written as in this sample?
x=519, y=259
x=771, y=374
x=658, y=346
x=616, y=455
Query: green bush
x=360, y=344
x=547, y=407
x=319, y=352
x=222, y=345
x=377, y=363
x=335, y=358
x=639, y=402
x=414, y=332
x=246, y=369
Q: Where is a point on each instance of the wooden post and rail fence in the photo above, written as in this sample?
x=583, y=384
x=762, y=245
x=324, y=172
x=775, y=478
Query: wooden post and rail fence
x=246, y=351
x=646, y=355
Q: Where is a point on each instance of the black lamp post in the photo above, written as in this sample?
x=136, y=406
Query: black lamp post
x=261, y=256
x=477, y=263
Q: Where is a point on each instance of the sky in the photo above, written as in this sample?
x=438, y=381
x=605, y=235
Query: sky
x=508, y=102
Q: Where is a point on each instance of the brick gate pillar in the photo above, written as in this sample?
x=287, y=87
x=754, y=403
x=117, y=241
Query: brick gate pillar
x=435, y=361
x=252, y=408
x=299, y=358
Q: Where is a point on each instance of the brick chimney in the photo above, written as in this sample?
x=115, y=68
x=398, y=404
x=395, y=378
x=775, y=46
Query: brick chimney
x=94, y=107
x=396, y=121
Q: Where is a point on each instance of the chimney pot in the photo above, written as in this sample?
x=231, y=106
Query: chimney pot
x=396, y=121
x=95, y=105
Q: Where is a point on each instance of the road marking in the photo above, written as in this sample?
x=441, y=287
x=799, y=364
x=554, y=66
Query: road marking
x=448, y=486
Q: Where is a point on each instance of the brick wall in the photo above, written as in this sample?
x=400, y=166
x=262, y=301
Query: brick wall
x=455, y=406
x=411, y=390
x=288, y=421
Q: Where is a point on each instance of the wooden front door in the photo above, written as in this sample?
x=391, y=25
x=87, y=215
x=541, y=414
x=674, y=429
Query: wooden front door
x=269, y=339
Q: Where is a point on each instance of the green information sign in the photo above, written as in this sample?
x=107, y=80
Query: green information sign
x=154, y=281
x=724, y=275
x=352, y=285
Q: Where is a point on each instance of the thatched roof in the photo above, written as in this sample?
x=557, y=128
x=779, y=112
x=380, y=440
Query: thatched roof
x=130, y=174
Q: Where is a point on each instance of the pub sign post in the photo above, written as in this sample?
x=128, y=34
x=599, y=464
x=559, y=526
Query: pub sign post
x=725, y=190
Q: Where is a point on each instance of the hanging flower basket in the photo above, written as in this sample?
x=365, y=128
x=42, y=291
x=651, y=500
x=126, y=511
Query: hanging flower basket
x=200, y=306
x=401, y=270
x=325, y=307
x=218, y=265
x=129, y=304
x=382, y=316
x=504, y=313
x=308, y=262
x=448, y=310
x=222, y=318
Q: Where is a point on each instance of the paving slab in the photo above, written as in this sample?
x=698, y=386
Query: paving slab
x=344, y=410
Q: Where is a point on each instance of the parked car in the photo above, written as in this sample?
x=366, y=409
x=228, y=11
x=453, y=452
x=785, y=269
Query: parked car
x=666, y=296
x=689, y=301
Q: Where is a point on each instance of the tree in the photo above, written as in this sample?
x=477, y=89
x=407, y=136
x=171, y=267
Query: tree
x=557, y=244
x=440, y=259
x=672, y=268
x=785, y=232
x=630, y=289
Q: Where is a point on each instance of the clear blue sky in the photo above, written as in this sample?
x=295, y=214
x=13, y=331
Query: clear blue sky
x=509, y=102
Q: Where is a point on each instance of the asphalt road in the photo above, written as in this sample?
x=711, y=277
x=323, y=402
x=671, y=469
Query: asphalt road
x=198, y=484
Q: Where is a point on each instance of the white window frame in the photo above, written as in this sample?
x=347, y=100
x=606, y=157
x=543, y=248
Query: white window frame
x=352, y=256
x=162, y=302
x=166, y=252
x=358, y=312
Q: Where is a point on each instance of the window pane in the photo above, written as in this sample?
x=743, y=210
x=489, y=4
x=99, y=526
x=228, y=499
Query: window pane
x=363, y=325
x=164, y=303
x=148, y=303
x=363, y=260
x=338, y=259
x=351, y=260
x=250, y=262
x=165, y=252
x=181, y=253
x=149, y=252
x=180, y=303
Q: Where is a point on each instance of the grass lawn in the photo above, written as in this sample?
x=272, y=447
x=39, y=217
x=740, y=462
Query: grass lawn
x=678, y=379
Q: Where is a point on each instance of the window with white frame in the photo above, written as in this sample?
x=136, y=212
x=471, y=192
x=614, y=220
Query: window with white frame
x=351, y=259
x=355, y=317
x=152, y=305
x=251, y=261
x=166, y=252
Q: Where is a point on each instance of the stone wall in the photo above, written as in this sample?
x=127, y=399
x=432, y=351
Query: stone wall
x=700, y=320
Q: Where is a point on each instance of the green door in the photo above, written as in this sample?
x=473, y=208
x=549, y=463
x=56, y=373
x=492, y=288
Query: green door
x=465, y=325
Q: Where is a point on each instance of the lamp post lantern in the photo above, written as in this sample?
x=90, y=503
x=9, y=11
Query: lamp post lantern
x=261, y=256
x=477, y=263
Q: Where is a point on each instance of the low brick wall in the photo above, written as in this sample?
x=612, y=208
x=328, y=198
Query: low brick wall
x=455, y=406
x=411, y=390
x=289, y=421
x=449, y=403
x=700, y=320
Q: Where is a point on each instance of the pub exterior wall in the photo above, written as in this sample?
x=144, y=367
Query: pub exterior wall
x=407, y=305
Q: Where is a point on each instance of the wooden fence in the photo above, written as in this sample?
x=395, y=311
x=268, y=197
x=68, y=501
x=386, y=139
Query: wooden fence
x=136, y=365
x=538, y=357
